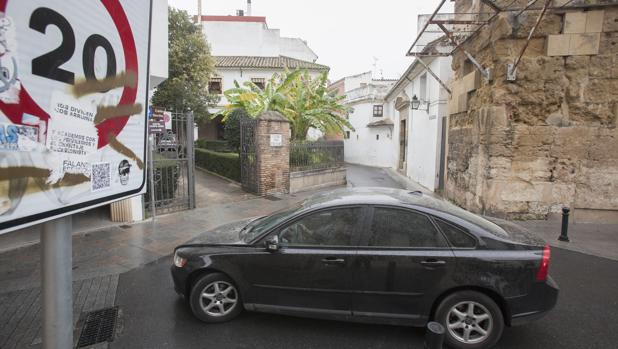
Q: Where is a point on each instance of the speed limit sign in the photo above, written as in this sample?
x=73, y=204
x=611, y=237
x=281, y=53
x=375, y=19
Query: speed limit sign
x=73, y=102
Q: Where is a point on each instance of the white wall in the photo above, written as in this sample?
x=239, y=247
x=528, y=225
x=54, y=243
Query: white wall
x=424, y=127
x=158, y=44
x=362, y=147
x=228, y=38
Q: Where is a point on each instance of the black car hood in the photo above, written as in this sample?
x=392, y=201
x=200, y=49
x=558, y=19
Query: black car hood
x=224, y=234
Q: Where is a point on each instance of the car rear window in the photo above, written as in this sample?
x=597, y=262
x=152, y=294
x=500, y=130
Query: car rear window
x=456, y=236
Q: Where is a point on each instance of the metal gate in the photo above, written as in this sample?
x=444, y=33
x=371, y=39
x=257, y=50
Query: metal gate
x=248, y=157
x=172, y=165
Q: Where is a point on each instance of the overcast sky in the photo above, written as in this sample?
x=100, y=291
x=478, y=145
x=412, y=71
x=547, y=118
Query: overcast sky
x=345, y=34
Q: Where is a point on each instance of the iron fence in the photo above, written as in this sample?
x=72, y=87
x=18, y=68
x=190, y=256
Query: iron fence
x=318, y=155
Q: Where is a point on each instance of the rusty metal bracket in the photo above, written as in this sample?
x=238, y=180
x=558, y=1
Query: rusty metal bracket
x=485, y=72
x=492, y=5
x=434, y=75
x=511, y=69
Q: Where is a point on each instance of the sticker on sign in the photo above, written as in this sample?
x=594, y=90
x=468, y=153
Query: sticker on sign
x=73, y=101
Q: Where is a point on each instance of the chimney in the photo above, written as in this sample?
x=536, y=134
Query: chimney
x=248, y=7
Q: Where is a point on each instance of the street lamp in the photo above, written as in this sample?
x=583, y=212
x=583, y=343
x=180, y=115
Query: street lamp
x=415, y=103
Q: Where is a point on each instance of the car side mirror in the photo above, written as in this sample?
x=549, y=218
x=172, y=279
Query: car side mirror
x=272, y=244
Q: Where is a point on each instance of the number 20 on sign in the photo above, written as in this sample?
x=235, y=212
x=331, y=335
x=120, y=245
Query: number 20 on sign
x=73, y=95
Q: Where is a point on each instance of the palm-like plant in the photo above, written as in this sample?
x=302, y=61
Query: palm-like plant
x=256, y=100
x=305, y=101
x=309, y=103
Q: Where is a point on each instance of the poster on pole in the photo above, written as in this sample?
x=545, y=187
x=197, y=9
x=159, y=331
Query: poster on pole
x=73, y=106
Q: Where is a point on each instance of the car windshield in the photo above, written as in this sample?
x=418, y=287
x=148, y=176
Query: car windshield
x=263, y=224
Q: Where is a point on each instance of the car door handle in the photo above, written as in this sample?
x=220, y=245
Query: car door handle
x=433, y=263
x=332, y=260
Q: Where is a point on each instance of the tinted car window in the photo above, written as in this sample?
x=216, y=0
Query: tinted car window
x=457, y=237
x=401, y=228
x=326, y=228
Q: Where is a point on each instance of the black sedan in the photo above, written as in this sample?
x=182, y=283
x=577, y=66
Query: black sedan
x=373, y=255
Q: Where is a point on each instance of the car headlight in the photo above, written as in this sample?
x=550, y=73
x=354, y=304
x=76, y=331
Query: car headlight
x=179, y=261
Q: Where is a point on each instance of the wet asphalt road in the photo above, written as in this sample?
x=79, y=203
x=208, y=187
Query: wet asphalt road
x=153, y=316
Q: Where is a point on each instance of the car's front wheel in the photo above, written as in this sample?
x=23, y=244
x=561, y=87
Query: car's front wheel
x=215, y=298
x=472, y=320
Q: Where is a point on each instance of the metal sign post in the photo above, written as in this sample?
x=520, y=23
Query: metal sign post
x=57, y=283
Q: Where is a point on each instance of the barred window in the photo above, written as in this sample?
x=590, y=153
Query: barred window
x=215, y=86
x=378, y=110
x=259, y=82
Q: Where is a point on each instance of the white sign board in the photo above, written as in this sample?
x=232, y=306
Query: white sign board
x=73, y=101
x=276, y=140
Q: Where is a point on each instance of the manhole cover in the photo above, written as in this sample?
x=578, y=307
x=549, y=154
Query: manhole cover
x=98, y=327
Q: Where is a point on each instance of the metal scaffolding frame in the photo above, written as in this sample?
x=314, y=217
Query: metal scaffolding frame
x=442, y=34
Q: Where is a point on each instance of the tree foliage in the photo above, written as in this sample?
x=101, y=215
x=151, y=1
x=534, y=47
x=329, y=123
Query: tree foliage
x=232, y=127
x=190, y=67
x=305, y=101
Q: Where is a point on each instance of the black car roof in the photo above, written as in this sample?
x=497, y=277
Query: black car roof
x=371, y=195
x=401, y=197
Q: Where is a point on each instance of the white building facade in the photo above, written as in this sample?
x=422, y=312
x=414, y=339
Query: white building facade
x=420, y=133
x=371, y=142
x=245, y=49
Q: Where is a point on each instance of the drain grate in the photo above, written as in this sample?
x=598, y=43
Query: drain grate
x=98, y=327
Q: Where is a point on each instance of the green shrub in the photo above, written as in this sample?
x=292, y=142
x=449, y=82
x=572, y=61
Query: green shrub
x=232, y=128
x=224, y=164
x=218, y=146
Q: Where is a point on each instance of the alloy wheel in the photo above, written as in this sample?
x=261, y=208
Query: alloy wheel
x=218, y=298
x=469, y=322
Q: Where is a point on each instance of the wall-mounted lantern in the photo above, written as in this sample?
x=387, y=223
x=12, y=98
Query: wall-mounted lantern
x=415, y=103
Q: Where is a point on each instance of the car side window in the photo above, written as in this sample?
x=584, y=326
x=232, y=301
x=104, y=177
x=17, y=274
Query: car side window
x=402, y=228
x=456, y=236
x=335, y=227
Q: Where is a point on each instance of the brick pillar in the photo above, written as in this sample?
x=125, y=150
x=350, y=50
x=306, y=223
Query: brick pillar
x=272, y=147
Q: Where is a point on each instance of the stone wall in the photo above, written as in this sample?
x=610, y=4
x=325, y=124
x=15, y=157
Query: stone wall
x=526, y=148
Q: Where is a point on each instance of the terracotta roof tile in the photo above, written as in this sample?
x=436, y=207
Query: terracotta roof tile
x=279, y=62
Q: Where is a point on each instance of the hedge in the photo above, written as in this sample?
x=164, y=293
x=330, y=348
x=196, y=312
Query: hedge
x=224, y=164
x=218, y=146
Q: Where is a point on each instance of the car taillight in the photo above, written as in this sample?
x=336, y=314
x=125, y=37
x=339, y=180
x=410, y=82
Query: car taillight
x=541, y=274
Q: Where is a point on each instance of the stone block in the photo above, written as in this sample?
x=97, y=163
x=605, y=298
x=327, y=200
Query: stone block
x=584, y=44
x=472, y=81
x=594, y=21
x=574, y=22
x=610, y=19
x=558, y=45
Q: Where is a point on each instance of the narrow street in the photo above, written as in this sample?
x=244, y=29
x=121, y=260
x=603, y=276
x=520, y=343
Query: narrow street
x=130, y=267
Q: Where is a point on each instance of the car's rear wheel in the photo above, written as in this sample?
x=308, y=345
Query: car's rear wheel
x=472, y=320
x=215, y=298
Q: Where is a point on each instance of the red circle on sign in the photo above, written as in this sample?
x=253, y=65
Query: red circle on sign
x=110, y=126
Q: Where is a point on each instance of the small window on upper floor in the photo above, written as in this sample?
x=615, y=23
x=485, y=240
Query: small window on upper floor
x=347, y=134
x=377, y=137
x=378, y=110
x=259, y=82
x=215, y=86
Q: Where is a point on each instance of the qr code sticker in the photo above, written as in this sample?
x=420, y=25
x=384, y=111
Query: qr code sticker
x=101, y=177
